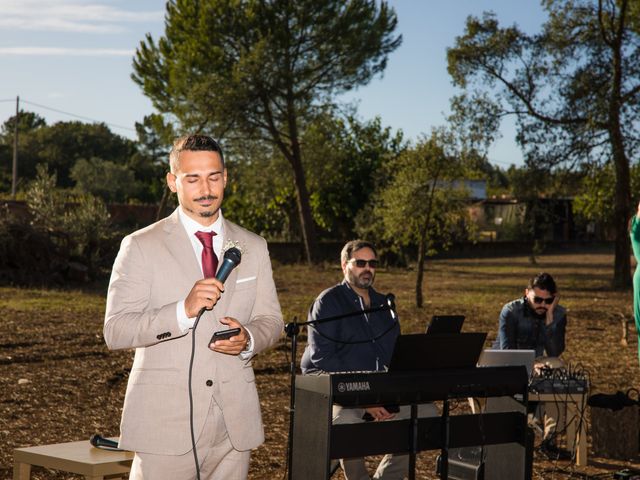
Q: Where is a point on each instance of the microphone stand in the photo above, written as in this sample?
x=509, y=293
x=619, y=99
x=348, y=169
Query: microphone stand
x=293, y=330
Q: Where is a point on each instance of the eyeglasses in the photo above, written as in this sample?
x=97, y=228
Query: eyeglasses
x=548, y=300
x=362, y=263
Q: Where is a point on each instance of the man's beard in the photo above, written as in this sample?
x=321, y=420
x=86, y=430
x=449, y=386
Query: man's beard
x=206, y=213
x=358, y=281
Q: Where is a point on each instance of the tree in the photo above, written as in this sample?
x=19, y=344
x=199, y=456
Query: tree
x=107, y=180
x=344, y=158
x=77, y=225
x=155, y=136
x=424, y=204
x=259, y=69
x=595, y=203
x=28, y=123
x=574, y=88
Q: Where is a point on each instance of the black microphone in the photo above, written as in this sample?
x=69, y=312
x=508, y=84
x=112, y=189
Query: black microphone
x=230, y=260
x=391, y=302
x=99, y=441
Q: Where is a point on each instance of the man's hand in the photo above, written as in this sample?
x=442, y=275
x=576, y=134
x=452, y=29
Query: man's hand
x=551, y=308
x=234, y=345
x=379, y=413
x=204, y=294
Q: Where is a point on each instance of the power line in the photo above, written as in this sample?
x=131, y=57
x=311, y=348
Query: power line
x=81, y=117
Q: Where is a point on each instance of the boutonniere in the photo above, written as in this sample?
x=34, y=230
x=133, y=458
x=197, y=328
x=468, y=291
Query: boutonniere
x=234, y=244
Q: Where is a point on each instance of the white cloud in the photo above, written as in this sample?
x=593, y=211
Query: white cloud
x=56, y=51
x=69, y=16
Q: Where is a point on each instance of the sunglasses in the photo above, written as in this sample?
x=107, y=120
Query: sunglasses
x=548, y=301
x=362, y=263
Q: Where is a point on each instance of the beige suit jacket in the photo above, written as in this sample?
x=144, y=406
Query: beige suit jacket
x=156, y=268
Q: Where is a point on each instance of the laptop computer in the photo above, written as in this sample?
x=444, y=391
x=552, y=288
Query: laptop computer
x=501, y=358
x=445, y=324
x=422, y=351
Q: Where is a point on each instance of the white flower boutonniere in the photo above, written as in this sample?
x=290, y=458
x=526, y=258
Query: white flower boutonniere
x=234, y=244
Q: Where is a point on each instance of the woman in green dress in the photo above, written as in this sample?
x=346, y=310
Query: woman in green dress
x=635, y=244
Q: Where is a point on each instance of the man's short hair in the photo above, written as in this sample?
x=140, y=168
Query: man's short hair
x=192, y=143
x=353, y=246
x=543, y=281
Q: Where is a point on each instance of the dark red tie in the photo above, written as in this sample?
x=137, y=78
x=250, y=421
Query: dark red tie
x=209, y=259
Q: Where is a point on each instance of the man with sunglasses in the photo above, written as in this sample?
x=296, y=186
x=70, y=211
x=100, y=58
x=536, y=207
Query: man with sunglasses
x=358, y=342
x=537, y=322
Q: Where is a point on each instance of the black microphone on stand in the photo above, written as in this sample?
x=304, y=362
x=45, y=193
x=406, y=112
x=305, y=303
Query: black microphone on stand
x=391, y=302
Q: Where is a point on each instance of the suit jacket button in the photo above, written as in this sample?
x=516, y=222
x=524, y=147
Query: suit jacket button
x=209, y=383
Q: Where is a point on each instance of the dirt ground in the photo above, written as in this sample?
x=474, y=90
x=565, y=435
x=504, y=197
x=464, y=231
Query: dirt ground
x=58, y=381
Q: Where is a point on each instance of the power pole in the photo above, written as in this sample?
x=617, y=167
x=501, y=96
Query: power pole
x=14, y=179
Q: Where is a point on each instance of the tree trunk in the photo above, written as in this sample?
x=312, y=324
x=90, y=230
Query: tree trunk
x=422, y=248
x=307, y=227
x=622, y=209
x=304, y=210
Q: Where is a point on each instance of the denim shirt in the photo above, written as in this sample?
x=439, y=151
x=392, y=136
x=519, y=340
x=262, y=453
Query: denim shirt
x=521, y=328
x=361, y=342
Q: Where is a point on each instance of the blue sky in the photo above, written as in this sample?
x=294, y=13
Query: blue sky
x=75, y=56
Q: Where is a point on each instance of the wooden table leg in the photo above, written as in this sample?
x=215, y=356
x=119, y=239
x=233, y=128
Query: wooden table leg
x=21, y=471
x=577, y=437
x=581, y=454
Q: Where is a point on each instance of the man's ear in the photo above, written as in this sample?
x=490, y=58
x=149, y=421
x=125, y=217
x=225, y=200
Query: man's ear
x=171, y=182
x=224, y=178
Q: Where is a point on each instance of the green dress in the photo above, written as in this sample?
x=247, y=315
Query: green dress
x=635, y=244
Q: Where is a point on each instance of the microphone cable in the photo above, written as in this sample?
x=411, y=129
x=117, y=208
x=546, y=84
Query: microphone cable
x=193, y=352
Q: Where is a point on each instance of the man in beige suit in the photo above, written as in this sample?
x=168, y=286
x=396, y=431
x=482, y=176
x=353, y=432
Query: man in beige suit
x=156, y=291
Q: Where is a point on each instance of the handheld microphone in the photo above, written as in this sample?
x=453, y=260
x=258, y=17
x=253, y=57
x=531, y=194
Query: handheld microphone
x=231, y=260
x=99, y=441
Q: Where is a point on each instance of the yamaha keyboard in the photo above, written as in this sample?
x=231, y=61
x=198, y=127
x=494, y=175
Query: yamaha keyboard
x=316, y=441
x=352, y=389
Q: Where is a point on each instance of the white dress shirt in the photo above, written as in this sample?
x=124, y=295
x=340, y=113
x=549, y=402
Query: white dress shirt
x=191, y=227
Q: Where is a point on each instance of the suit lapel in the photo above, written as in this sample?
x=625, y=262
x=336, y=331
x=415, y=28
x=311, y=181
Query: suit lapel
x=180, y=247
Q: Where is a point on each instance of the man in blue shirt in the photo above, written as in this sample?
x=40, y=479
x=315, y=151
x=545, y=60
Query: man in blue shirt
x=359, y=342
x=537, y=322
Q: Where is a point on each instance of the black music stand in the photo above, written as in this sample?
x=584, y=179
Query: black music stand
x=293, y=330
x=435, y=351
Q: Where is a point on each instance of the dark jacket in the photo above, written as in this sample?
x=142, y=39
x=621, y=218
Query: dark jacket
x=356, y=343
x=521, y=328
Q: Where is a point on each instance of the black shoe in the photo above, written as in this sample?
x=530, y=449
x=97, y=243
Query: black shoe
x=553, y=452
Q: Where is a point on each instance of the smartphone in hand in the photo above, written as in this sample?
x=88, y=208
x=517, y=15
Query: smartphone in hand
x=224, y=334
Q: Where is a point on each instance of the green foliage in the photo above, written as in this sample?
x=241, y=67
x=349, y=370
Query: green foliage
x=151, y=162
x=60, y=146
x=424, y=201
x=345, y=159
x=260, y=193
x=104, y=179
x=423, y=204
x=595, y=203
x=28, y=121
x=79, y=225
